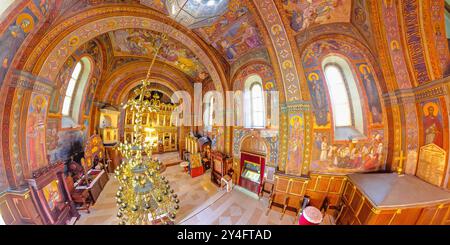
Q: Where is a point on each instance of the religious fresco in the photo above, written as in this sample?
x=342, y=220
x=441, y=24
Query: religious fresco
x=442, y=44
x=52, y=138
x=235, y=33
x=90, y=94
x=217, y=139
x=373, y=98
x=36, y=132
x=312, y=60
x=312, y=55
x=432, y=122
x=347, y=157
x=13, y=37
x=61, y=82
x=352, y=155
x=320, y=100
x=264, y=71
x=295, y=146
x=361, y=20
x=306, y=13
x=121, y=61
x=142, y=43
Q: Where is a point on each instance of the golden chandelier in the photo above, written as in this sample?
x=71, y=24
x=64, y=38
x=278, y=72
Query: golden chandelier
x=144, y=196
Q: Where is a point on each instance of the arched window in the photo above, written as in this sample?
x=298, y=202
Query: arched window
x=257, y=105
x=339, y=96
x=211, y=111
x=73, y=98
x=348, y=118
x=208, y=116
x=255, y=116
x=71, y=89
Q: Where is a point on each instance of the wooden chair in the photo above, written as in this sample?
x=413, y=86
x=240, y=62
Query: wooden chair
x=80, y=197
x=296, y=204
x=278, y=199
x=267, y=187
x=325, y=205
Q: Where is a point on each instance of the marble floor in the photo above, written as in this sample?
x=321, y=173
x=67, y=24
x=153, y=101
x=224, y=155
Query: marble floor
x=239, y=207
x=192, y=192
x=201, y=203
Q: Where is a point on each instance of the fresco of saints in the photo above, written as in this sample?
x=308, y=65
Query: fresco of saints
x=36, y=133
x=324, y=149
x=432, y=125
x=319, y=99
x=250, y=36
x=296, y=138
x=12, y=39
x=230, y=49
x=305, y=13
x=372, y=93
x=375, y=153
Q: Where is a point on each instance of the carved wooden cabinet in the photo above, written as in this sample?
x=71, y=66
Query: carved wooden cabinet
x=220, y=166
x=404, y=200
x=17, y=208
x=51, y=196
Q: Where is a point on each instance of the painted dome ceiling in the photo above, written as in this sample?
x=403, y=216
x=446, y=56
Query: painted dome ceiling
x=233, y=37
x=139, y=43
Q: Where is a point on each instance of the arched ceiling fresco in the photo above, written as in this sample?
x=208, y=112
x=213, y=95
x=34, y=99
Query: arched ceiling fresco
x=138, y=43
x=235, y=35
x=303, y=14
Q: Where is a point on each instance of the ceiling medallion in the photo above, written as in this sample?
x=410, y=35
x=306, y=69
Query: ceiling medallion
x=196, y=13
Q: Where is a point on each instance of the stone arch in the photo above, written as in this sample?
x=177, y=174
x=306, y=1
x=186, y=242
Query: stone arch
x=264, y=70
x=138, y=70
x=258, y=137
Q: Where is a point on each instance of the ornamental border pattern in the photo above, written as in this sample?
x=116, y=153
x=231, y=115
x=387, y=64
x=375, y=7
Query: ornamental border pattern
x=272, y=20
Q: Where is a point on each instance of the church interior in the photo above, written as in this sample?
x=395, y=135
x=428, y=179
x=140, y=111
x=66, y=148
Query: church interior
x=224, y=112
